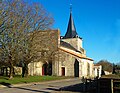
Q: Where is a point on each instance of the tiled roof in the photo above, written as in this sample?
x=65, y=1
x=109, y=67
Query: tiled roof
x=72, y=52
x=67, y=45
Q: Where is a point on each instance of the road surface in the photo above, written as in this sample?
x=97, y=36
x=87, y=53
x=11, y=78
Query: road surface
x=43, y=87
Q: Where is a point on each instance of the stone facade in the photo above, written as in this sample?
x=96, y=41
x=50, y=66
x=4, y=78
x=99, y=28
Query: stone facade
x=45, y=45
x=65, y=61
x=35, y=68
x=75, y=66
x=97, y=70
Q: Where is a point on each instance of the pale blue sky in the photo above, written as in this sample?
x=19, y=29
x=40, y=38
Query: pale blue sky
x=96, y=21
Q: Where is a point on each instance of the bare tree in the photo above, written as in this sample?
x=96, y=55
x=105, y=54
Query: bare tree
x=45, y=45
x=17, y=20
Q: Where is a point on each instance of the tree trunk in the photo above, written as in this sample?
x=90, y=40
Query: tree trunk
x=11, y=72
x=11, y=67
x=26, y=70
x=23, y=71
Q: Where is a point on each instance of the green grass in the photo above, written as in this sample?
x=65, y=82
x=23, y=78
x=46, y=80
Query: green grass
x=19, y=79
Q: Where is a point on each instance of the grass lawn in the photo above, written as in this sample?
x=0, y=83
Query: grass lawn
x=19, y=79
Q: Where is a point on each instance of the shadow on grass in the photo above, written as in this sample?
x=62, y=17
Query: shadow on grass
x=6, y=84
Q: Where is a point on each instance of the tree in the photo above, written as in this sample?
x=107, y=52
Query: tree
x=117, y=68
x=45, y=46
x=17, y=20
x=106, y=65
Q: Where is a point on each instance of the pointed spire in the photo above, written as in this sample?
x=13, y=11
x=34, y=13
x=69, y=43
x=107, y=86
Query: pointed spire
x=70, y=8
x=71, y=30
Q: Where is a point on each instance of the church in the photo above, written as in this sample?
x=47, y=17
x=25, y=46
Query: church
x=64, y=55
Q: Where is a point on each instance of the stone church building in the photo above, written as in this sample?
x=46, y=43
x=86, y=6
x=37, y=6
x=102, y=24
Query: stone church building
x=61, y=55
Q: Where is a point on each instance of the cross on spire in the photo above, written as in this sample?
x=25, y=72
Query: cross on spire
x=70, y=8
x=71, y=30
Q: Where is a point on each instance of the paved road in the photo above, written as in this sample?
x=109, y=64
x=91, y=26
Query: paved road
x=44, y=87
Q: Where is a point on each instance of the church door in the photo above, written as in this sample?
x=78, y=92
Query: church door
x=44, y=69
x=76, y=68
x=63, y=71
x=47, y=69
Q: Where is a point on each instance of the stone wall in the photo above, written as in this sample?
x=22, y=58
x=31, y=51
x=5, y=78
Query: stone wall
x=65, y=60
x=35, y=68
x=75, y=42
x=69, y=64
x=87, y=68
x=18, y=70
x=45, y=45
x=97, y=71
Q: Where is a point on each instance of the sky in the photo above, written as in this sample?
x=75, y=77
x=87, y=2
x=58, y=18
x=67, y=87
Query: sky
x=96, y=21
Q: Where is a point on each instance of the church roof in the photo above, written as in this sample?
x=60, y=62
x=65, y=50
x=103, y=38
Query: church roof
x=77, y=54
x=71, y=30
x=67, y=45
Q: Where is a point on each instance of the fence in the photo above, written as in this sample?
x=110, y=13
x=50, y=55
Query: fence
x=103, y=85
x=115, y=85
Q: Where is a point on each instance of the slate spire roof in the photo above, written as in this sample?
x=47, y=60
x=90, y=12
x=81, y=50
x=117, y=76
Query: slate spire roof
x=71, y=30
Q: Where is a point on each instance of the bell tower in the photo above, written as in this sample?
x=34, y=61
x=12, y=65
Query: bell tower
x=72, y=36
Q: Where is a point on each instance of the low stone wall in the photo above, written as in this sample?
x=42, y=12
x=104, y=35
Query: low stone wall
x=18, y=70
